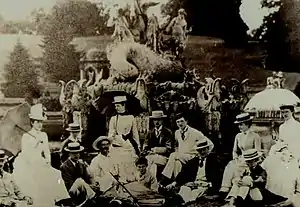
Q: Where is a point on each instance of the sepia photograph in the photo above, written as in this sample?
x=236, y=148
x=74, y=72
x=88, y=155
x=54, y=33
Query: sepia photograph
x=149, y=103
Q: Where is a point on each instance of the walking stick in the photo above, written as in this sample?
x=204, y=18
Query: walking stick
x=134, y=199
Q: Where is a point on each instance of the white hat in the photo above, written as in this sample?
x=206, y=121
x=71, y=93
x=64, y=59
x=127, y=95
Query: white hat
x=37, y=112
x=99, y=140
x=251, y=154
x=158, y=115
x=119, y=99
x=74, y=147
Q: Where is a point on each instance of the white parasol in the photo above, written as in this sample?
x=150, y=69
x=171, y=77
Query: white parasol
x=12, y=126
x=271, y=99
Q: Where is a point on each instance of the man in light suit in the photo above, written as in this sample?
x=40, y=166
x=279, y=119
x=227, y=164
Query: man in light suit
x=289, y=131
x=186, y=150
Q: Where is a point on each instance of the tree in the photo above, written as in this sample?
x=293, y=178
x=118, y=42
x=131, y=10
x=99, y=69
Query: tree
x=280, y=36
x=20, y=73
x=60, y=60
x=78, y=18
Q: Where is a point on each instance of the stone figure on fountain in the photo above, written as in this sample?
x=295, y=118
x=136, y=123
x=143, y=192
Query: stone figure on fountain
x=122, y=32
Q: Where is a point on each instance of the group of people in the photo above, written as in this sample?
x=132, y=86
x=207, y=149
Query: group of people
x=259, y=177
x=121, y=167
x=167, y=162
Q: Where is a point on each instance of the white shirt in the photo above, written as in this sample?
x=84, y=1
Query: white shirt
x=289, y=132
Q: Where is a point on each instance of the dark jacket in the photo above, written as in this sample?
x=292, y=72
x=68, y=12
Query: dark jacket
x=71, y=173
x=166, y=139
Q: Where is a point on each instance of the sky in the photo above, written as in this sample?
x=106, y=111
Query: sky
x=21, y=9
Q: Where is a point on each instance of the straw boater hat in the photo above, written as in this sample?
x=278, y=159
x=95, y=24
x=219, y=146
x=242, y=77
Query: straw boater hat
x=244, y=117
x=74, y=147
x=251, y=154
x=37, y=112
x=201, y=144
x=3, y=156
x=99, y=140
x=157, y=115
x=73, y=127
x=119, y=99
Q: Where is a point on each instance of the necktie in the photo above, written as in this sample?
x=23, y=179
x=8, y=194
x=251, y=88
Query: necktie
x=183, y=134
x=201, y=163
x=78, y=169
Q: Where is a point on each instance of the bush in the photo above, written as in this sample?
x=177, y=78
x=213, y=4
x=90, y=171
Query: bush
x=51, y=103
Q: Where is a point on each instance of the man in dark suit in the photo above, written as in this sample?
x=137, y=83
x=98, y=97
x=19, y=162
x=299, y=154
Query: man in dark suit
x=159, y=143
x=75, y=172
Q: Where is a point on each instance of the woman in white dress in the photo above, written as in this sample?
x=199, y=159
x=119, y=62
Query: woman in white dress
x=32, y=168
x=126, y=142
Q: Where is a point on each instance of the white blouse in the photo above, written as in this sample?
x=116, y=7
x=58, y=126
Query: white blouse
x=123, y=124
x=35, y=147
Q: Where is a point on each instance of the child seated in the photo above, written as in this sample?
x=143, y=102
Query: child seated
x=144, y=176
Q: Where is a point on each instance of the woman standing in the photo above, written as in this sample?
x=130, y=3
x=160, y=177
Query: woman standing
x=244, y=140
x=32, y=168
x=123, y=130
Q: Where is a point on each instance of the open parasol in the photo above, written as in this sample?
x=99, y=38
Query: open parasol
x=271, y=99
x=13, y=125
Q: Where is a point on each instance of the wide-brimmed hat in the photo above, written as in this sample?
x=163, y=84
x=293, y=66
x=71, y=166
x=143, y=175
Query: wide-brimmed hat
x=73, y=127
x=74, y=147
x=3, y=156
x=287, y=106
x=201, y=144
x=37, y=112
x=99, y=140
x=244, y=117
x=251, y=154
x=119, y=99
x=157, y=115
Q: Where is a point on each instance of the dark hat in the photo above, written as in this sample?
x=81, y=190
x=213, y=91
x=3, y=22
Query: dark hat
x=99, y=140
x=74, y=147
x=251, y=154
x=287, y=106
x=73, y=127
x=244, y=117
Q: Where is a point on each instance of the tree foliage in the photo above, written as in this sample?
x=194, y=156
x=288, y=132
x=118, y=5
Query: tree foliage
x=20, y=73
x=280, y=35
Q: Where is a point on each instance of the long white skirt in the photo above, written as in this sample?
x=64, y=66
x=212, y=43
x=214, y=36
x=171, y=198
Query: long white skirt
x=40, y=181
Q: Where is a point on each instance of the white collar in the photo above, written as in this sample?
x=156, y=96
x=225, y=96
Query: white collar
x=185, y=129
